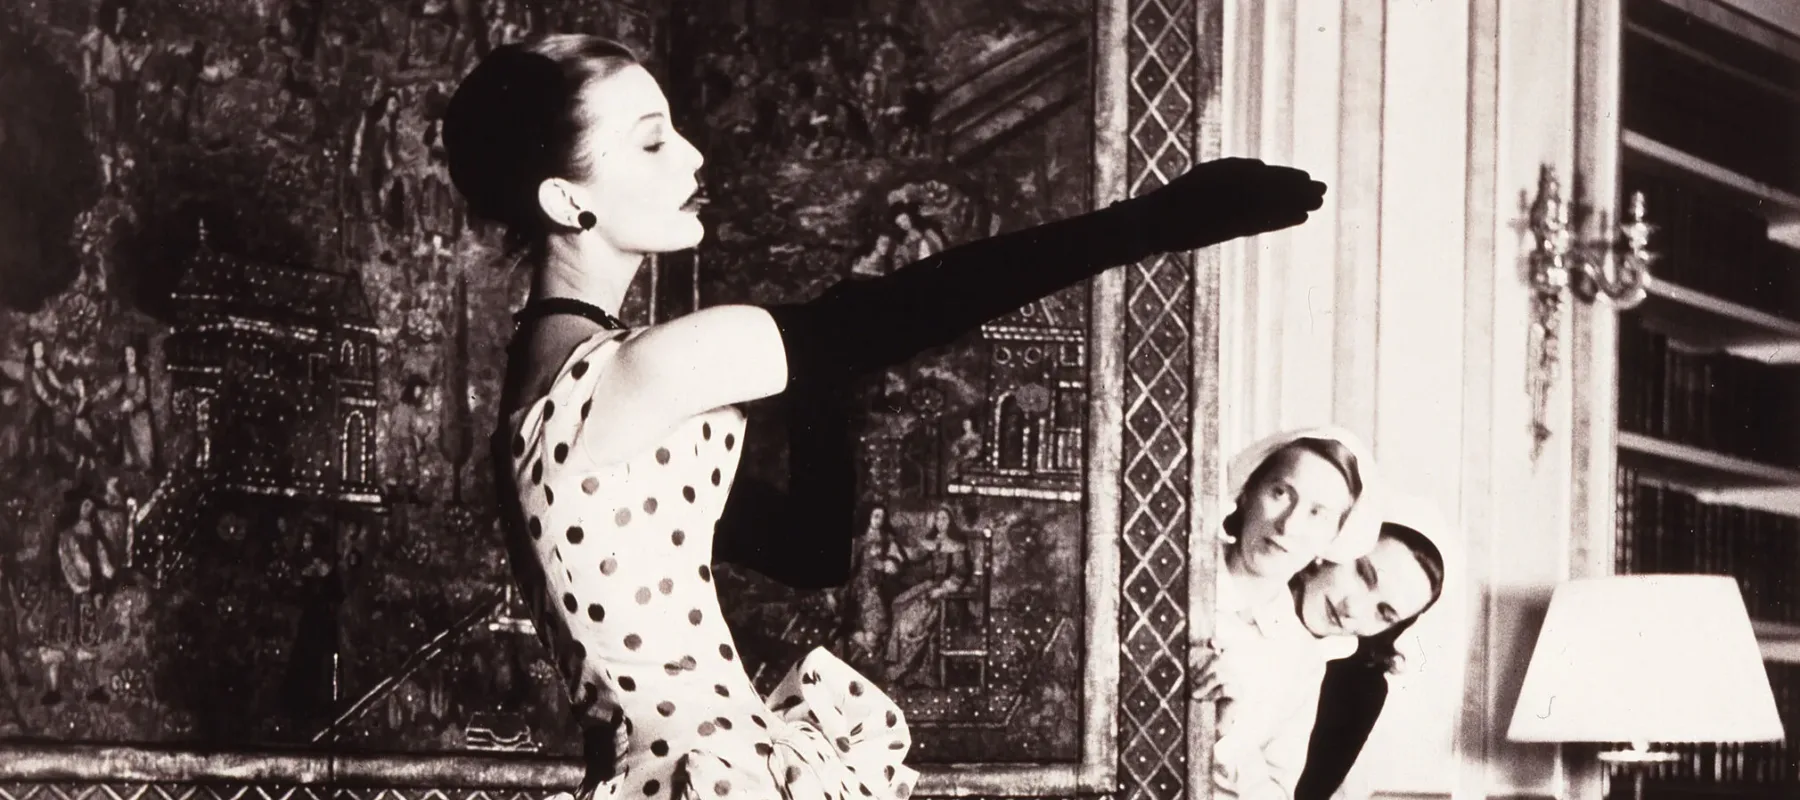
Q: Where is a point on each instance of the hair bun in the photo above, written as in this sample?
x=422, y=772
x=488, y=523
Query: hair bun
x=499, y=131
x=513, y=123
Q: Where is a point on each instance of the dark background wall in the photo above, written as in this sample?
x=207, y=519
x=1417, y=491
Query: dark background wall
x=249, y=345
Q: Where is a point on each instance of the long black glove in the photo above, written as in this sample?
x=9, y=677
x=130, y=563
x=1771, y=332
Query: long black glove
x=803, y=538
x=859, y=325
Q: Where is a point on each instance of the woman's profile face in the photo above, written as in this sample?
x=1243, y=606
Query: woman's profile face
x=1368, y=596
x=877, y=515
x=1292, y=514
x=641, y=171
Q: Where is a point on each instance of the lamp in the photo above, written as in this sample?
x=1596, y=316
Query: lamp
x=1614, y=264
x=1642, y=659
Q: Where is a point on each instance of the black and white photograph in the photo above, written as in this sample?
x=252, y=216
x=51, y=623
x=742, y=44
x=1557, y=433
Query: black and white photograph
x=894, y=399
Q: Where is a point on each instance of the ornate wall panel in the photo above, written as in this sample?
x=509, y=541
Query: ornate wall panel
x=250, y=345
x=1172, y=79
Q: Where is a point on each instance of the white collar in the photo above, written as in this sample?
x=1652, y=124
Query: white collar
x=1275, y=617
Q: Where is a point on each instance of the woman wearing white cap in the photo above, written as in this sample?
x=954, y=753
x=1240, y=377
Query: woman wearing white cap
x=1298, y=496
x=1360, y=588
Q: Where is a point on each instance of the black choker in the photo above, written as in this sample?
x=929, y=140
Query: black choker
x=546, y=306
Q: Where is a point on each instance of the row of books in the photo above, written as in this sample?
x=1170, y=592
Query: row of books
x=1667, y=530
x=1738, y=763
x=1717, y=244
x=1708, y=400
x=1710, y=243
x=1687, y=104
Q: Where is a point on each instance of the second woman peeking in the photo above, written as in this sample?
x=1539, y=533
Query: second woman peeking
x=1297, y=592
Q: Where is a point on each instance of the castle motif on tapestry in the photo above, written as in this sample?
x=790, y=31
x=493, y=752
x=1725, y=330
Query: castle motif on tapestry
x=1036, y=422
x=273, y=373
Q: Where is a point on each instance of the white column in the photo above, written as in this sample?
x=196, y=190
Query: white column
x=1420, y=354
x=1401, y=311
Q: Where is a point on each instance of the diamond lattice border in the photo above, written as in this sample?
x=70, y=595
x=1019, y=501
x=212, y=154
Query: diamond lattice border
x=1164, y=140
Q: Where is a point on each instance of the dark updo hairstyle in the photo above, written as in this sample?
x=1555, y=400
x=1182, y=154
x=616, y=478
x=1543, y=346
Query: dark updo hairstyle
x=517, y=119
x=1381, y=651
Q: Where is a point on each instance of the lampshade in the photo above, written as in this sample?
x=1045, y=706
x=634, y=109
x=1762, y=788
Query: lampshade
x=1647, y=658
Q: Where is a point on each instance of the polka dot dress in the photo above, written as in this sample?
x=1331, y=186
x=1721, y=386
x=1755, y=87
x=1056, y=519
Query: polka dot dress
x=616, y=561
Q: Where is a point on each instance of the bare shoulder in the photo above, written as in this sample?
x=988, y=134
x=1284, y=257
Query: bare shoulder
x=535, y=362
x=735, y=350
x=710, y=327
x=646, y=381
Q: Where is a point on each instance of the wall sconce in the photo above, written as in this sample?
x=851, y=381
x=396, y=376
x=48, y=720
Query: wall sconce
x=1615, y=265
x=1619, y=270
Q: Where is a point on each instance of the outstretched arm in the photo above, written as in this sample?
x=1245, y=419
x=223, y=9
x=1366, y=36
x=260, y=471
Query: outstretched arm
x=733, y=354
x=804, y=537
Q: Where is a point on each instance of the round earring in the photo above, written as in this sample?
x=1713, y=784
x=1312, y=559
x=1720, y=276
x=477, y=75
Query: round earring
x=587, y=220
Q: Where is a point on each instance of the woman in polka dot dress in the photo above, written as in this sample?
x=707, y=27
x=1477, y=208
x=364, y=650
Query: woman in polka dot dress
x=620, y=447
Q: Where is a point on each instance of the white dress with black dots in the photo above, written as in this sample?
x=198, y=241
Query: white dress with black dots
x=622, y=588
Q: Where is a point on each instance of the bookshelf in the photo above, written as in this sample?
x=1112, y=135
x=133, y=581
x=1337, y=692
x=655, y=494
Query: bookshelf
x=1781, y=640
x=1782, y=208
x=1703, y=323
x=1697, y=468
x=1708, y=394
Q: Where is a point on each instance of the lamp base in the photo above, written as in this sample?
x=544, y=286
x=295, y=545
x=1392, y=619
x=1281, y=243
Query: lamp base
x=1637, y=758
x=1632, y=756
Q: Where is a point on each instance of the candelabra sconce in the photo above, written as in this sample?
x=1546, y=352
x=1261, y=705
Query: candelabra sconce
x=1614, y=265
